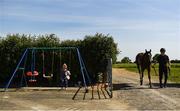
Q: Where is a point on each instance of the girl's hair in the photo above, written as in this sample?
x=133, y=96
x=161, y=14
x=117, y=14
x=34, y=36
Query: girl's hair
x=64, y=66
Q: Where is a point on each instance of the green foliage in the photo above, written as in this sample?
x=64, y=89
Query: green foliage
x=94, y=49
x=124, y=65
x=11, y=48
x=155, y=57
x=175, y=61
x=126, y=60
x=71, y=43
x=47, y=41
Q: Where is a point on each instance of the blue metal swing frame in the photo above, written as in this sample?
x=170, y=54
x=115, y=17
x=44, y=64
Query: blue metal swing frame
x=23, y=59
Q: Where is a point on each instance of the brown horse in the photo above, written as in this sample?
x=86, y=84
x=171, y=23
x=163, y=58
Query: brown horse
x=143, y=61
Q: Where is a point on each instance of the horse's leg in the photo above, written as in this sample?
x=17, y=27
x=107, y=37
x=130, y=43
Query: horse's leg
x=139, y=70
x=149, y=76
x=142, y=75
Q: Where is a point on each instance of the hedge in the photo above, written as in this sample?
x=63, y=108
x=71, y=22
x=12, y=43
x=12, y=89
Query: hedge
x=94, y=50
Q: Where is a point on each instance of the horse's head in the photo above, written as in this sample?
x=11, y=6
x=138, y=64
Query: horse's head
x=148, y=55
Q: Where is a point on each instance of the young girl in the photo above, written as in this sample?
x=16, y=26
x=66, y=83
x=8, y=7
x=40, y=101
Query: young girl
x=65, y=76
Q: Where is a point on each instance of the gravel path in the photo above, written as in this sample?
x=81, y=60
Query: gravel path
x=141, y=97
x=127, y=95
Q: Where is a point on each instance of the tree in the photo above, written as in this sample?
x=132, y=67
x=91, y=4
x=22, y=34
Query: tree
x=96, y=49
x=175, y=61
x=126, y=60
x=155, y=57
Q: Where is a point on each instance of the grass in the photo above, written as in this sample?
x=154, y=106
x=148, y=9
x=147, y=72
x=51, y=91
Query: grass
x=173, y=77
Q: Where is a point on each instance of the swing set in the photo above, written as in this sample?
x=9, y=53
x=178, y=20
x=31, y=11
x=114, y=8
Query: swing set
x=31, y=75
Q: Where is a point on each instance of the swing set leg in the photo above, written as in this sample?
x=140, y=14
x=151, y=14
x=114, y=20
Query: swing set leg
x=84, y=96
x=76, y=93
x=86, y=91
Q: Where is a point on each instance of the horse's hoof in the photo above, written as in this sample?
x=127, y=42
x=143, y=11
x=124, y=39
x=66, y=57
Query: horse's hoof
x=141, y=83
x=150, y=87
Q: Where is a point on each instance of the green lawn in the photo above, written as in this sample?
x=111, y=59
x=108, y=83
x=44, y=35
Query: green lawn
x=174, y=75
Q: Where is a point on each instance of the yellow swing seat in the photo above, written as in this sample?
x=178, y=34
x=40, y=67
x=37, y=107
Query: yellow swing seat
x=48, y=76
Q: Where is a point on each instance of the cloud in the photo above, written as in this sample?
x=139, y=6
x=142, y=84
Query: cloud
x=92, y=22
x=98, y=22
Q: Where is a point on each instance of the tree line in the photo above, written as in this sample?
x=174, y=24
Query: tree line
x=154, y=58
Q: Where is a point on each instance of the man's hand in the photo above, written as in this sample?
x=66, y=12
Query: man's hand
x=153, y=65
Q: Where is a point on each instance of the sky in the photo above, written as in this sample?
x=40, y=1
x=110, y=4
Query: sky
x=135, y=25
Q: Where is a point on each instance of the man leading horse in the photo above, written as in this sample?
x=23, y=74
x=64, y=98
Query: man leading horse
x=143, y=61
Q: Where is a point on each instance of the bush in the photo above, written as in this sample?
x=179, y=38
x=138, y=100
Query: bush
x=175, y=61
x=126, y=60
